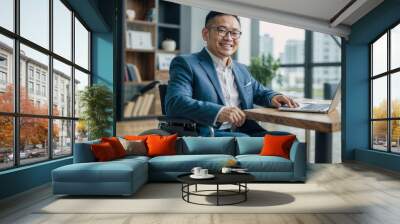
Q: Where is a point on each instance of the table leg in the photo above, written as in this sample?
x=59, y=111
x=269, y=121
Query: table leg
x=323, y=147
x=217, y=194
x=188, y=190
x=245, y=191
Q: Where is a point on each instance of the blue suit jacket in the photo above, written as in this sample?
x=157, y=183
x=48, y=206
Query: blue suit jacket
x=194, y=91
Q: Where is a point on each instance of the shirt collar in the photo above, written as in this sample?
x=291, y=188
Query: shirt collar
x=219, y=62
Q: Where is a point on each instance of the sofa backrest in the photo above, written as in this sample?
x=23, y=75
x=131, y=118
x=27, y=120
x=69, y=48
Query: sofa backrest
x=249, y=145
x=83, y=152
x=206, y=145
x=191, y=146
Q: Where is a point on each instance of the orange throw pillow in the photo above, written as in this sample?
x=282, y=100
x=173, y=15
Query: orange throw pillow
x=116, y=145
x=161, y=145
x=277, y=145
x=103, y=152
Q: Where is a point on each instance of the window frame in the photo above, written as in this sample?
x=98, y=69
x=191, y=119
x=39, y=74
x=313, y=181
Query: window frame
x=16, y=114
x=308, y=63
x=371, y=77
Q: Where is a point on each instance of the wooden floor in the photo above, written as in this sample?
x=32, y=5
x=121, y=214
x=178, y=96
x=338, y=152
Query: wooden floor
x=379, y=189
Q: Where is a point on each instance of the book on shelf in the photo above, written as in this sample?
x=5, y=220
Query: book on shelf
x=139, y=40
x=129, y=109
x=146, y=105
x=133, y=73
x=138, y=105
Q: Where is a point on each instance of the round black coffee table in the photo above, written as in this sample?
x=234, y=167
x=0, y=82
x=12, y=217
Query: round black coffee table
x=238, y=179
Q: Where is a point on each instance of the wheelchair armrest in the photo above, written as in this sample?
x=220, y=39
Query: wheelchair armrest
x=176, y=120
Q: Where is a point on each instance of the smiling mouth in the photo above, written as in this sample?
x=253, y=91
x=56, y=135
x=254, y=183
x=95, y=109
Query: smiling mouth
x=226, y=46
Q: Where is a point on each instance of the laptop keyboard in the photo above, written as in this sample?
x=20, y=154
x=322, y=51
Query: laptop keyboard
x=315, y=107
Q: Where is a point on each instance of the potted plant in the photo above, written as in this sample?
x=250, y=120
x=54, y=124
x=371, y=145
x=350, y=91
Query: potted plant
x=96, y=104
x=264, y=69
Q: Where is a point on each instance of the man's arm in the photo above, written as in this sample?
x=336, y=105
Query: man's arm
x=179, y=100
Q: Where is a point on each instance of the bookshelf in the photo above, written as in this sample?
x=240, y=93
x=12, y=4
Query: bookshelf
x=154, y=22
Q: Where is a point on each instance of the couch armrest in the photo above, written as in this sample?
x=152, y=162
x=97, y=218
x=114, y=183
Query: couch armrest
x=298, y=155
x=83, y=152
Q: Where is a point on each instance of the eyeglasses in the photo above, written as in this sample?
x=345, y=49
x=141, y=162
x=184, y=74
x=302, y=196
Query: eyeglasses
x=223, y=31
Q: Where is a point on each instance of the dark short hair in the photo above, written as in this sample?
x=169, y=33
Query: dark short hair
x=211, y=15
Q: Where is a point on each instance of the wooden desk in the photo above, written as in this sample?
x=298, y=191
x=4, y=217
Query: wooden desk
x=323, y=124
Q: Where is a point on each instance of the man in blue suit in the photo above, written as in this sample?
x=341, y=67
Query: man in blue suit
x=212, y=89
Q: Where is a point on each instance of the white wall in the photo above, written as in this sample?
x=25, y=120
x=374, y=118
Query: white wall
x=244, y=54
x=197, y=24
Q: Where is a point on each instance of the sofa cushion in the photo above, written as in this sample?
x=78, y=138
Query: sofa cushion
x=131, y=158
x=161, y=145
x=257, y=163
x=116, y=145
x=207, y=145
x=249, y=145
x=103, y=152
x=112, y=171
x=185, y=163
x=134, y=147
x=277, y=145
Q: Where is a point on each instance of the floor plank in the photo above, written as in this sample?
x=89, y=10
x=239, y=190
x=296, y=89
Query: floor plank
x=376, y=188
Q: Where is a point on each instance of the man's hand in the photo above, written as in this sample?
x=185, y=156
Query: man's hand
x=233, y=115
x=280, y=100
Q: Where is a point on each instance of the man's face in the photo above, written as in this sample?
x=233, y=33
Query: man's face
x=222, y=46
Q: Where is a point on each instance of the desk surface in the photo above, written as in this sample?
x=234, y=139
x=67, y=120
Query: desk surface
x=313, y=121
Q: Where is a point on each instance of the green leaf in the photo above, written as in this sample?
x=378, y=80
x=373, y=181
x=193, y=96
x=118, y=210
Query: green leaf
x=96, y=104
x=264, y=69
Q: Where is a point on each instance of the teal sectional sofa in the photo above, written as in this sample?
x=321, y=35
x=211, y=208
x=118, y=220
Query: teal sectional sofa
x=125, y=176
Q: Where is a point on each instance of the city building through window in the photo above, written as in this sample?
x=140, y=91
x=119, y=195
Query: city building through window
x=37, y=126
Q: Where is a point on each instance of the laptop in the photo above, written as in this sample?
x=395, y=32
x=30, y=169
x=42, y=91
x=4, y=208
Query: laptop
x=316, y=107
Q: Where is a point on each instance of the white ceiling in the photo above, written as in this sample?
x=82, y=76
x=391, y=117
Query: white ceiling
x=319, y=9
x=315, y=15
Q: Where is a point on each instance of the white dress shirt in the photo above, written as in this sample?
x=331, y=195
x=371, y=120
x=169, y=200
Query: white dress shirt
x=228, y=85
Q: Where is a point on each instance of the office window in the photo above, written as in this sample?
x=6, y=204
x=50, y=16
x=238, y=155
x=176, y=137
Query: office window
x=62, y=73
x=81, y=45
x=7, y=14
x=6, y=73
x=326, y=48
x=323, y=75
x=62, y=29
x=40, y=62
x=385, y=97
x=6, y=142
x=285, y=44
x=81, y=81
x=35, y=22
x=33, y=140
x=45, y=131
x=62, y=137
x=309, y=62
x=379, y=56
x=395, y=47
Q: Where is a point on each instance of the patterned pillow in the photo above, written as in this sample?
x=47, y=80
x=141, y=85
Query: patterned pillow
x=134, y=147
